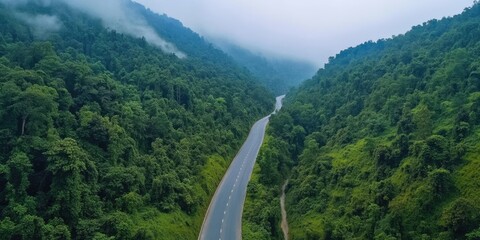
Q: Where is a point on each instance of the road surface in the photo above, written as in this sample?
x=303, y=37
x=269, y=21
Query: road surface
x=223, y=220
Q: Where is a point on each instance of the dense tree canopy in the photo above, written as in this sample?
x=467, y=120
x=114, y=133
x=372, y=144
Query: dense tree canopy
x=385, y=140
x=103, y=136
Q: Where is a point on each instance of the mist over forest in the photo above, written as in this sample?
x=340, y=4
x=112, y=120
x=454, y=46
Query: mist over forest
x=119, y=121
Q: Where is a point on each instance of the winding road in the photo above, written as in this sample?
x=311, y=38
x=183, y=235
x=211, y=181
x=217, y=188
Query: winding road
x=223, y=220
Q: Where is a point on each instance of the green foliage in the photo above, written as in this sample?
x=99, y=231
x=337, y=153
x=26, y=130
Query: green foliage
x=434, y=151
x=460, y=217
x=67, y=164
x=19, y=167
x=261, y=216
x=262, y=213
x=7, y=228
x=55, y=229
x=276, y=74
x=34, y=107
x=103, y=136
x=385, y=139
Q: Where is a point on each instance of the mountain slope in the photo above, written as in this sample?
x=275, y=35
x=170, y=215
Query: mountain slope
x=105, y=136
x=385, y=141
x=275, y=73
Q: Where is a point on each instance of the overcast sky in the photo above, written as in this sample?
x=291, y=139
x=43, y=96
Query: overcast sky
x=310, y=30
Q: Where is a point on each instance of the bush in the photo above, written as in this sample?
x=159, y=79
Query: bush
x=435, y=151
x=460, y=217
x=384, y=156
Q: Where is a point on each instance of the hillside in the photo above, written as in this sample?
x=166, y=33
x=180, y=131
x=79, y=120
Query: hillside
x=108, y=135
x=384, y=141
x=276, y=73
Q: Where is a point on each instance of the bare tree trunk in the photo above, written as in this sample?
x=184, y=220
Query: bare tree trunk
x=24, y=121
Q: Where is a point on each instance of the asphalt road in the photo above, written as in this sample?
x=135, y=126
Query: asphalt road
x=223, y=220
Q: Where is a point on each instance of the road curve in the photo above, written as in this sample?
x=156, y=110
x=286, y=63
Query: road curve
x=223, y=220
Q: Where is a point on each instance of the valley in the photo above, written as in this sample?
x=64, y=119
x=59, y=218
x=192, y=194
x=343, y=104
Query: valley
x=118, y=121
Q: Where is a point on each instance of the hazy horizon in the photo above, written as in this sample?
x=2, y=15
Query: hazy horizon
x=305, y=29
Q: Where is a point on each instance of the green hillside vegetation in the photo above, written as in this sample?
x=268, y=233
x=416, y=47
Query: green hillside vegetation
x=385, y=141
x=276, y=73
x=261, y=214
x=103, y=136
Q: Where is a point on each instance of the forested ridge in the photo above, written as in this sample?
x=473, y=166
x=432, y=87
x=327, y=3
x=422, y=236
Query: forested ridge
x=276, y=73
x=382, y=143
x=103, y=136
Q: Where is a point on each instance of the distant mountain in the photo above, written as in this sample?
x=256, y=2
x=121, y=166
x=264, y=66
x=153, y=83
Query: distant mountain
x=276, y=73
x=382, y=143
x=115, y=122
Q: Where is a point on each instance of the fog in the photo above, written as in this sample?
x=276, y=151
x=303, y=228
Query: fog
x=115, y=14
x=42, y=25
x=310, y=30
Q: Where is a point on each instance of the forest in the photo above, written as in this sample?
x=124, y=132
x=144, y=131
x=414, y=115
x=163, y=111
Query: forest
x=382, y=143
x=104, y=136
x=278, y=74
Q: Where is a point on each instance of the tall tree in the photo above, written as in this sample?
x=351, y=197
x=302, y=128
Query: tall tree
x=35, y=106
x=67, y=162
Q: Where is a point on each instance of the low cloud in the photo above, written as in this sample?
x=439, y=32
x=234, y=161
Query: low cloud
x=14, y=3
x=311, y=30
x=42, y=25
x=115, y=14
